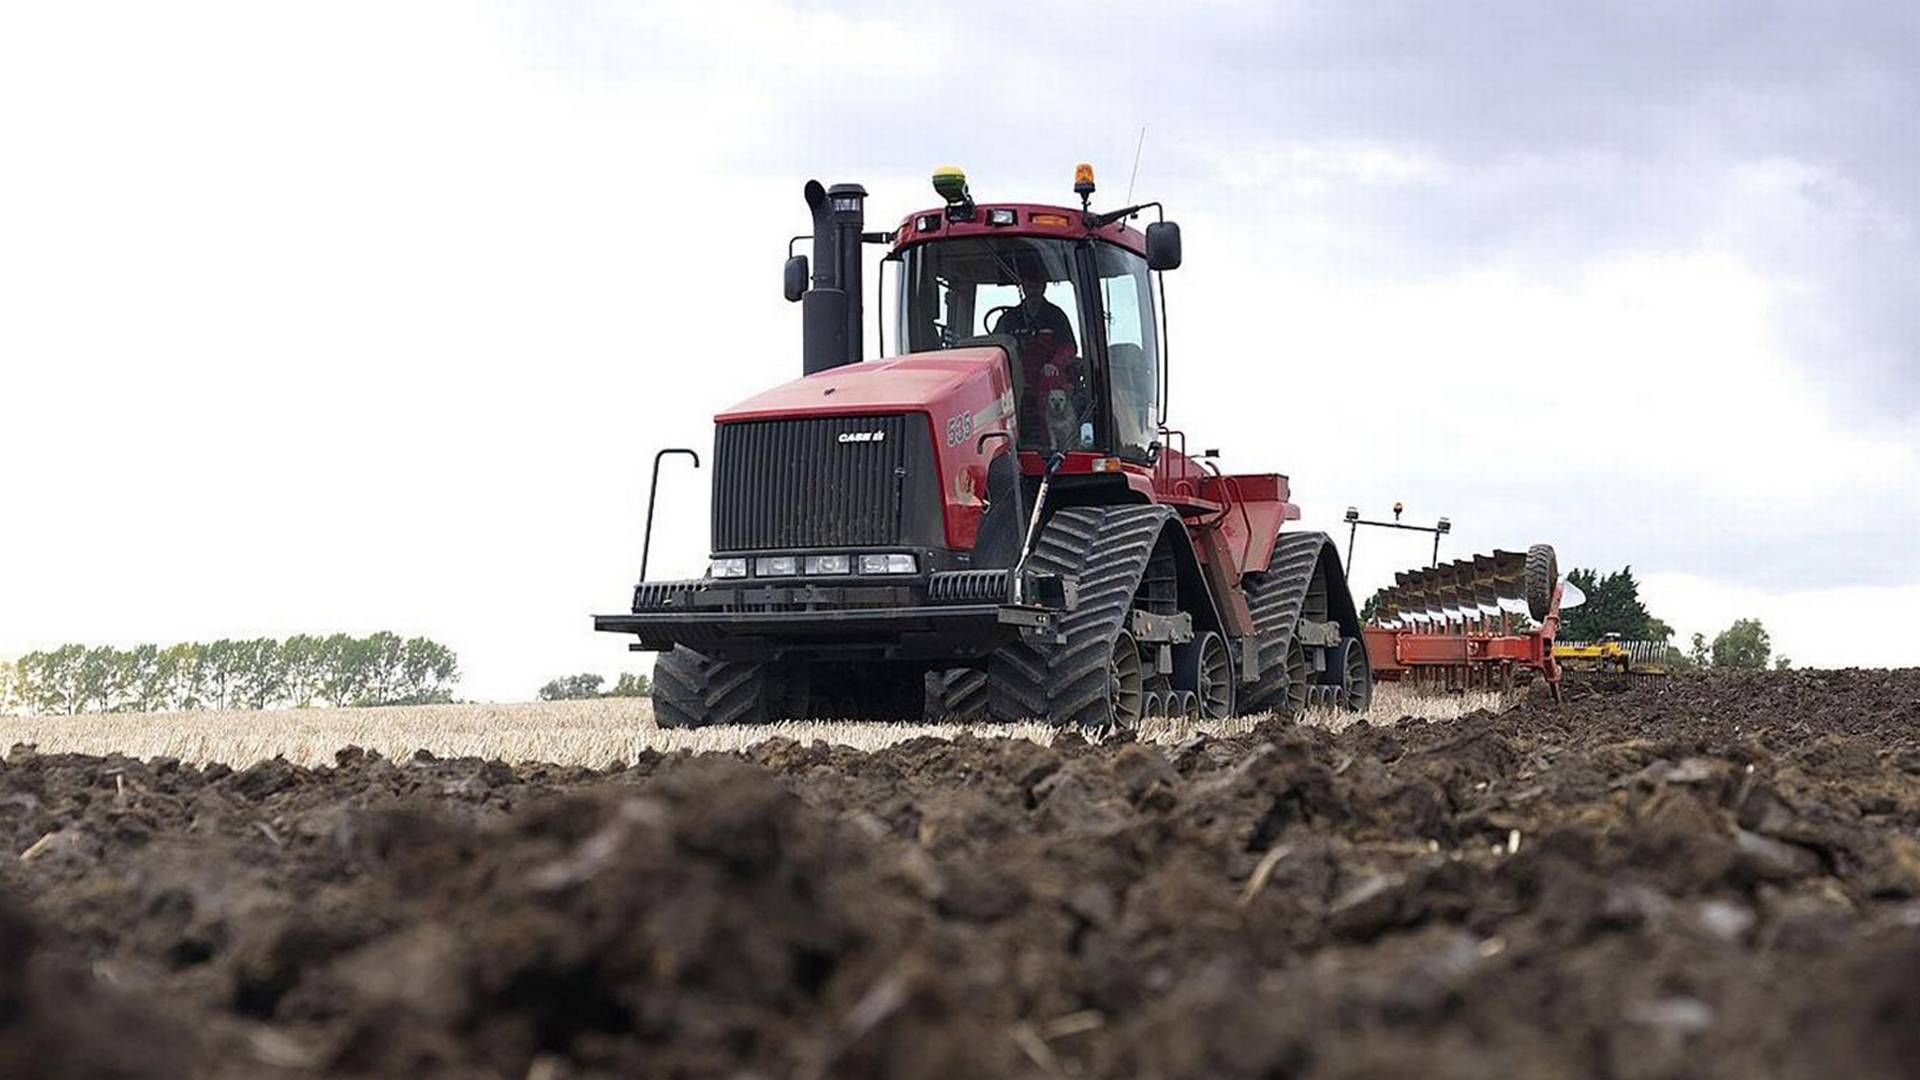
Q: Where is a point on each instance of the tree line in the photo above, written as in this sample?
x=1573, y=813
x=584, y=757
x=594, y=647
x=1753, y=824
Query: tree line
x=587, y=686
x=257, y=673
x=1613, y=607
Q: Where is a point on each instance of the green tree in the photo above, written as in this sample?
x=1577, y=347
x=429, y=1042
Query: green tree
x=428, y=671
x=1613, y=607
x=1781, y=663
x=146, y=685
x=50, y=681
x=221, y=667
x=1744, y=646
x=102, y=677
x=303, y=668
x=183, y=675
x=9, y=688
x=572, y=688
x=630, y=684
x=260, y=680
x=1699, y=655
x=382, y=655
x=342, y=669
x=1367, y=610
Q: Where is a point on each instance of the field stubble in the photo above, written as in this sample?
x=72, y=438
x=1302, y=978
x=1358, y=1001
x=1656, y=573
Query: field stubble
x=592, y=733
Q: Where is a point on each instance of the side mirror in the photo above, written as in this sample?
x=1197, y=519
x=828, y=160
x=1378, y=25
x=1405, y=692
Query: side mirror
x=797, y=276
x=1163, y=246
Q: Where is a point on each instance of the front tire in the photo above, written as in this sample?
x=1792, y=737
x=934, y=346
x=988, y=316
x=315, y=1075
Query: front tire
x=693, y=690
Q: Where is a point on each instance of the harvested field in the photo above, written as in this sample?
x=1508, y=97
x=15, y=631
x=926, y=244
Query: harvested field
x=1692, y=878
x=592, y=733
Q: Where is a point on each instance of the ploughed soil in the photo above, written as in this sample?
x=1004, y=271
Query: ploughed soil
x=1697, y=877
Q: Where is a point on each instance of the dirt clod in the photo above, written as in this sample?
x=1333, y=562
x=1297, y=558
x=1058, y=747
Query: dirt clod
x=1691, y=877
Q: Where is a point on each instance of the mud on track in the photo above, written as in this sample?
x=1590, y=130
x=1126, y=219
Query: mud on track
x=1706, y=878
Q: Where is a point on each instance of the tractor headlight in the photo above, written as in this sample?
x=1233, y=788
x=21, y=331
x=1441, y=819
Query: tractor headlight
x=829, y=564
x=727, y=568
x=888, y=564
x=777, y=566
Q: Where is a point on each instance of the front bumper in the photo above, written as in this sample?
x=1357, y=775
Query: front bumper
x=954, y=616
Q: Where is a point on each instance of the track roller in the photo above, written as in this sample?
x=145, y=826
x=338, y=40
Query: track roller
x=1203, y=668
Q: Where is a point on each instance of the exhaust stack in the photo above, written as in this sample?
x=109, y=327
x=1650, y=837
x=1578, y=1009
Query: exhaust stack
x=830, y=311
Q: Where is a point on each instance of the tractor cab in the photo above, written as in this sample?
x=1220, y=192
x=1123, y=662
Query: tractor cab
x=1068, y=295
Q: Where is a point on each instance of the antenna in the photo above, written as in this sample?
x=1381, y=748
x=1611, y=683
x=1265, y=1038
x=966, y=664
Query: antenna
x=1142, y=141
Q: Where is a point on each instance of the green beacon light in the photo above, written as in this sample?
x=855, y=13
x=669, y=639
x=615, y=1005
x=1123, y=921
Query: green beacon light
x=950, y=183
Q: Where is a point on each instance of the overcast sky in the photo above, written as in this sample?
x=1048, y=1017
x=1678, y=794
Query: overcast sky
x=369, y=315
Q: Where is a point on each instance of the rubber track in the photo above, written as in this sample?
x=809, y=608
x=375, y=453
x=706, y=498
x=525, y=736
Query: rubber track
x=1104, y=550
x=956, y=694
x=692, y=690
x=1275, y=596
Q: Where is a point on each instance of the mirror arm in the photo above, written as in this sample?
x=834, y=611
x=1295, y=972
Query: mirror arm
x=1101, y=221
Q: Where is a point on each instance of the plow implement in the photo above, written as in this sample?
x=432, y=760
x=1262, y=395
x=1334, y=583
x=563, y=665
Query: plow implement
x=1457, y=626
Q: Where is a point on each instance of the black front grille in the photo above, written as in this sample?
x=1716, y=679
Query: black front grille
x=829, y=481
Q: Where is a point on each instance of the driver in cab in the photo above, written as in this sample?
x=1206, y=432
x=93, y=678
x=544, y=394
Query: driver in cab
x=1035, y=314
x=1053, y=385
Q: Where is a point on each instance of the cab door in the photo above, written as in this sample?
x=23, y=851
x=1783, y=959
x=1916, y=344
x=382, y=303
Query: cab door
x=1130, y=340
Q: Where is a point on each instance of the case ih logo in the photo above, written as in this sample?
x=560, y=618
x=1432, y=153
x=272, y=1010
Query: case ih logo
x=863, y=436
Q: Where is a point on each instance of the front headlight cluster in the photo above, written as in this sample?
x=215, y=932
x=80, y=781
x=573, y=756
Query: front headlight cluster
x=815, y=565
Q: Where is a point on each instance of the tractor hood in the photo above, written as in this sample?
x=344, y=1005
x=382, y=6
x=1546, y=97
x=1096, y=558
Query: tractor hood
x=946, y=402
x=919, y=382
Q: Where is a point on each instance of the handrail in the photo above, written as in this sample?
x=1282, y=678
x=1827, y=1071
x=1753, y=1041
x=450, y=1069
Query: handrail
x=653, y=490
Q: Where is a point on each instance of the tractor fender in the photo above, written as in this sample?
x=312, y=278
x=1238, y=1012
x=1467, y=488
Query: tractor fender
x=1193, y=579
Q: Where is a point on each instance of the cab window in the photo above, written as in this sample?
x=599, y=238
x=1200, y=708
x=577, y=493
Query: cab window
x=1018, y=291
x=1133, y=347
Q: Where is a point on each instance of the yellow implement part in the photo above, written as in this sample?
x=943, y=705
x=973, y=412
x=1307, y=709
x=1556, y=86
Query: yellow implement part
x=1632, y=657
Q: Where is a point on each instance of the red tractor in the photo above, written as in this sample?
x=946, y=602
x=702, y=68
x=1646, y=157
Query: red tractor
x=995, y=521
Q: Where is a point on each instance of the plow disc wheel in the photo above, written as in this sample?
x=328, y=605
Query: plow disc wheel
x=1543, y=573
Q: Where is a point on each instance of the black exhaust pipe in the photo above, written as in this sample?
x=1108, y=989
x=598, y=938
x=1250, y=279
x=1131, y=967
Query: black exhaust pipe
x=830, y=311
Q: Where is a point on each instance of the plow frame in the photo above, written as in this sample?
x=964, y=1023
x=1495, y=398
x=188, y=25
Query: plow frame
x=1481, y=653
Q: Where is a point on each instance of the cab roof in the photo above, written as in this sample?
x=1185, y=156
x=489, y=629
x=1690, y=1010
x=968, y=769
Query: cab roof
x=1028, y=219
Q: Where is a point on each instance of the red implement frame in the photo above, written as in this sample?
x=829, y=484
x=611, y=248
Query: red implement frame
x=1479, y=653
